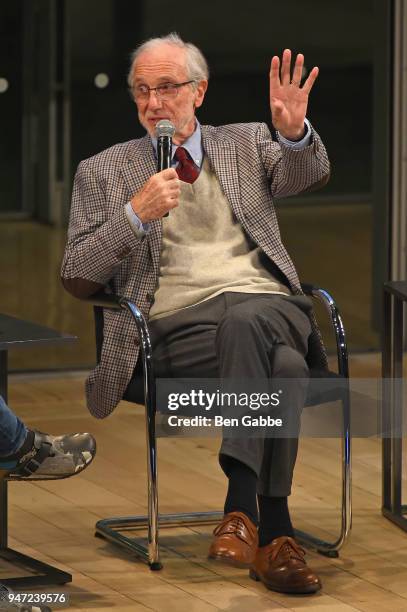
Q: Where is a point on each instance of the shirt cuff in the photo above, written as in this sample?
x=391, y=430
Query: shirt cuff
x=298, y=144
x=140, y=229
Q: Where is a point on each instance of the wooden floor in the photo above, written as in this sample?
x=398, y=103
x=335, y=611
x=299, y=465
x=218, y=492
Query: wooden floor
x=54, y=521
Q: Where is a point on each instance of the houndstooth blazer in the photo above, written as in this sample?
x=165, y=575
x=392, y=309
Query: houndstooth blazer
x=102, y=249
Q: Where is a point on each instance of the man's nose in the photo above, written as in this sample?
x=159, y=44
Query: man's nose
x=154, y=100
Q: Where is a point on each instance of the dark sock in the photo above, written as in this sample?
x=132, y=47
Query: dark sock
x=241, y=495
x=274, y=519
x=23, y=450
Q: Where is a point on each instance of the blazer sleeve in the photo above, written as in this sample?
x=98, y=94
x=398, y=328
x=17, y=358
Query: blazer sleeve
x=292, y=171
x=97, y=242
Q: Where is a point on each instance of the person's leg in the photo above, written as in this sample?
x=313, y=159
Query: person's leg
x=274, y=484
x=278, y=342
x=13, y=432
x=242, y=486
x=184, y=343
x=246, y=329
x=233, y=336
x=248, y=336
x=268, y=338
x=184, y=346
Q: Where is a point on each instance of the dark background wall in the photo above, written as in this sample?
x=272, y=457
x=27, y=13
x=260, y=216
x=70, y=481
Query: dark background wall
x=10, y=105
x=238, y=43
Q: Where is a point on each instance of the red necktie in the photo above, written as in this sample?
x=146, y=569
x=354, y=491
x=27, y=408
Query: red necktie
x=186, y=169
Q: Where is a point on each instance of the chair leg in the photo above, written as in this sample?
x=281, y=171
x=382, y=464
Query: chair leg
x=110, y=528
x=152, y=492
x=326, y=548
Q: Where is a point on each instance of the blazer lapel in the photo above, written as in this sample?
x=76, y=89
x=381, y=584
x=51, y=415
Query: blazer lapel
x=224, y=162
x=141, y=165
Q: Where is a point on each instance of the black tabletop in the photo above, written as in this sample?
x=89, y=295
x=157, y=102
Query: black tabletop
x=397, y=288
x=16, y=333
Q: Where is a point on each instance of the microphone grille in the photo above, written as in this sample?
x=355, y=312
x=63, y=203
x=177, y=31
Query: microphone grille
x=164, y=127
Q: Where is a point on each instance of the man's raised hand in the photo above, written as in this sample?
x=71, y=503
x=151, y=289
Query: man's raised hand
x=288, y=100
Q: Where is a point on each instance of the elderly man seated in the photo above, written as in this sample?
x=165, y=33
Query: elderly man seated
x=213, y=277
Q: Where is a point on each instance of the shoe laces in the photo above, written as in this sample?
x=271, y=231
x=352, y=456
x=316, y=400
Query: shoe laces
x=235, y=525
x=290, y=550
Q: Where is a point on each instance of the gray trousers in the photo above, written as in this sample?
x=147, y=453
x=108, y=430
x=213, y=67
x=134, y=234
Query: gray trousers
x=242, y=335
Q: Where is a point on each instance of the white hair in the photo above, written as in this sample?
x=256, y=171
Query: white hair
x=196, y=64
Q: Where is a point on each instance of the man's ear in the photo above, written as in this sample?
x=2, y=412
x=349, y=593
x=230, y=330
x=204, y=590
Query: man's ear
x=200, y=93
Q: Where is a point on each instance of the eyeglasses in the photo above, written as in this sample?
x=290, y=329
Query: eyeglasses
x=166, y=91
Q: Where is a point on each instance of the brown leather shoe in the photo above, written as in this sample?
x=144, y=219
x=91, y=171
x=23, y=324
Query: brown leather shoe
x=281, y=567
x=236, y=540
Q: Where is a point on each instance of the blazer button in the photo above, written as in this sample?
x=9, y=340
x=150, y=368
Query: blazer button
x=150, y=297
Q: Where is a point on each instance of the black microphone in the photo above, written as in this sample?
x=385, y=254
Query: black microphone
x=164, y=131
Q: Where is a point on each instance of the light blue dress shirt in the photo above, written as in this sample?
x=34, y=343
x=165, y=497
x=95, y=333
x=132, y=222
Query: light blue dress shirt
x=193, y=145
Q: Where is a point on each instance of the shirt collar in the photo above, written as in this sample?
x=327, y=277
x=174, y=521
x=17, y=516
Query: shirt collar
x=193, y=145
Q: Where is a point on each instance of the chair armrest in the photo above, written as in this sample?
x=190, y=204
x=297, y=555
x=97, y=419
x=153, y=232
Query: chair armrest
x=105, y=300
x=323, y=296
x=101, y=299
x=309, y=289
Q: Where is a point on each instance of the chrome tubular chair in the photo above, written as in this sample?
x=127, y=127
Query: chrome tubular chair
x=111, y=528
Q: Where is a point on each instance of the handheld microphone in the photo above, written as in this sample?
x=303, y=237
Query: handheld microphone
x=164, y=131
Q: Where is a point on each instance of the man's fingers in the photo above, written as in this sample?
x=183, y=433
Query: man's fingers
x=310, y=80
x=176, y=193
x=172, y=202
x=274, y=73
x=297, y=72
x=169, y=174
x=175, y=186
x=286, y=67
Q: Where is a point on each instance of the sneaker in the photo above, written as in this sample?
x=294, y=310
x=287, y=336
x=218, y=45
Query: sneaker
x=52, y=457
